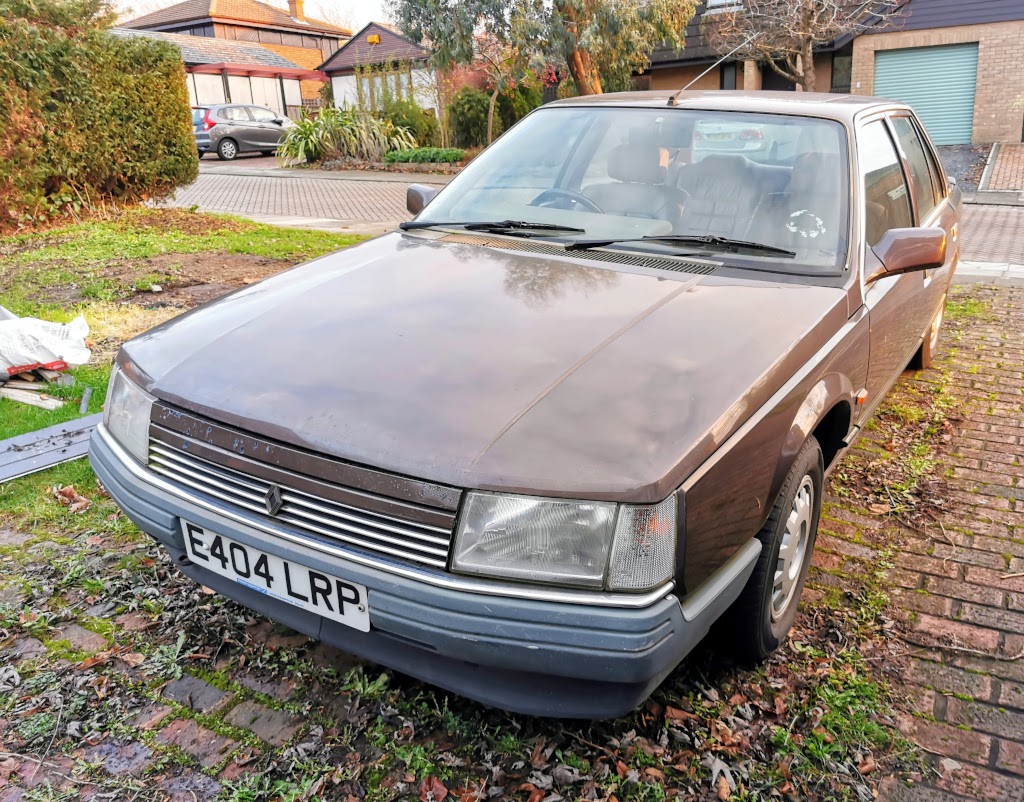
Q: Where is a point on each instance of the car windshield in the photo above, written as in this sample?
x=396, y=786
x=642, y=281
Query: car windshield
x=625, y=173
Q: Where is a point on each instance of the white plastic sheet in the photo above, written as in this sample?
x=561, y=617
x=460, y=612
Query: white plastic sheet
x=27, y=343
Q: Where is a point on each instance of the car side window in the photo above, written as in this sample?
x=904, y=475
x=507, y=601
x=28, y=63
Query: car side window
x=235, y=114
x=886, y=199
x=262, y=115
x=938, y=177
x=925, y=192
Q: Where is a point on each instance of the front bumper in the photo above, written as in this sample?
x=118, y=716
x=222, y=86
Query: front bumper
x=550, y=658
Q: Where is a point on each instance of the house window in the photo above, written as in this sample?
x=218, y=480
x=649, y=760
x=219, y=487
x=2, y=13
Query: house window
x=842, y=70
x=376, y=86
x=729, y=73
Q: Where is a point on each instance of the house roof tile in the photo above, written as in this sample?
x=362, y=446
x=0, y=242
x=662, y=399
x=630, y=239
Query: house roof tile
x=203, y=50
x=236, y=10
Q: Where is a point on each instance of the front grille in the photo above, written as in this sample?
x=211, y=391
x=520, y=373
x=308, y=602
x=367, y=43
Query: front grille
x=352, y=524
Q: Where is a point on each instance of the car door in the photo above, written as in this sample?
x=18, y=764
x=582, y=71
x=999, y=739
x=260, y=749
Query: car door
x=933, y=208
x=894, y=303
x=241, y=128
x=268, y=129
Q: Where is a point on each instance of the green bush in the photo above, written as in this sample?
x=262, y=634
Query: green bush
x=86, y=116
x=467, y=116
x=512, y=107
x=426, y=156
x=419, y=122
x=345, y=134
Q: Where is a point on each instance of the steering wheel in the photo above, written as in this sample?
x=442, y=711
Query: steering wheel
x=548, y=195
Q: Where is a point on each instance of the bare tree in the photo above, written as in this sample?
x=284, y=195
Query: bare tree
x=784, y=33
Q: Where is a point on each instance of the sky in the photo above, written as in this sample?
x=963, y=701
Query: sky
x=350, y=13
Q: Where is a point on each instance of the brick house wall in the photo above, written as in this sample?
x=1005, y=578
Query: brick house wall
x=999, y=102
x=304, y=57
x=750, y=77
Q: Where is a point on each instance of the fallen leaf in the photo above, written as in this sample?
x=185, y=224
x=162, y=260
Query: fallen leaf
x=71, y=498
x=867, y=766
x=94, y=540
x=432, y=790
x=675, y=714
x=133, y=659
x=723, y=789
x=537, y=757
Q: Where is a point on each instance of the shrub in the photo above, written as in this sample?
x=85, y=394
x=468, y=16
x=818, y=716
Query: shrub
x=86, y=116
x=467, y=116
x=515, y=105
x=426, y=156
x=419, y=122
x=344, y=134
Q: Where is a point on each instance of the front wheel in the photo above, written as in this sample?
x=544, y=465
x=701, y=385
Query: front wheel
x=760, y=619
x=227, y=150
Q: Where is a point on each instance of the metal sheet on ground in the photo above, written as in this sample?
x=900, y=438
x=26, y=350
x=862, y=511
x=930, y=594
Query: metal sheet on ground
x=36, y=451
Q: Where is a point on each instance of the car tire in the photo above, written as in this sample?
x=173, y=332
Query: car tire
x=760, y=619
x=925, y=355
x=227, y=150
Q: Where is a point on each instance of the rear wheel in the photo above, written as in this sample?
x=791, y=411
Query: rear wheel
x=925, y=355
x=227, y=150
x=762, y=616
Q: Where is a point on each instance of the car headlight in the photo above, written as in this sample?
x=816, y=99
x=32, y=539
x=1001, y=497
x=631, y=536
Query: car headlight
x=588, y=544
x=126, y=414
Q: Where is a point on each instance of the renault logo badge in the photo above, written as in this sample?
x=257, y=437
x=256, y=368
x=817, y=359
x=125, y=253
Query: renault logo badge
x=273, y=500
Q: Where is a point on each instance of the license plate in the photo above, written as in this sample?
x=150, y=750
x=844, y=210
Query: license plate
x=720, y=137
x=325, y=595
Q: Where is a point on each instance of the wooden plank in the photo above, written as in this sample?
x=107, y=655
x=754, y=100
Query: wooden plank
x=49, y=375
x=30, y=398
x=36, y=451
x=18, y=384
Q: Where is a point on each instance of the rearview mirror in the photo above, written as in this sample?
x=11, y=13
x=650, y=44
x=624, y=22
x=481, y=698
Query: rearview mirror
x=908, y=250
x=417, y=196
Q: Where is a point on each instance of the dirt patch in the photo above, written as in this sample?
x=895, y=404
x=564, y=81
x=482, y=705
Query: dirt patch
x=181, y=221
x=183, y=280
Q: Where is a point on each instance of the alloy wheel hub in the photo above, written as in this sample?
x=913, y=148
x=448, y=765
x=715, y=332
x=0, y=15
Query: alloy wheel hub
x=793, y=551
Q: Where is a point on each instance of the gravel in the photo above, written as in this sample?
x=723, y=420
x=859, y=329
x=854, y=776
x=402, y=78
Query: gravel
x=965, y=163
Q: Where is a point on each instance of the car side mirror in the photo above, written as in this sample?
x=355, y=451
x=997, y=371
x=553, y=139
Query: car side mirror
x=908, y=250
x=278, y=121
x=417, y=196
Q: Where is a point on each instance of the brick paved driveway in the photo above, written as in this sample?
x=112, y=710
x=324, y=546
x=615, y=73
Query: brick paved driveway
x=959, y=582
x=1007, y=172
x=993, y=234
x=277, y=196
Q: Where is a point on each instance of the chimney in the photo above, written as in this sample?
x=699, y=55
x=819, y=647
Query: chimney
x=295, y=9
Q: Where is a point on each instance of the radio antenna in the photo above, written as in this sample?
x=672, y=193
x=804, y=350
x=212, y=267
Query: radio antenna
x=674, y=100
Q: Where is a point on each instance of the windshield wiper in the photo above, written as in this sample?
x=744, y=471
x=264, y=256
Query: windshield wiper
x=709, y=242
x=522, y=228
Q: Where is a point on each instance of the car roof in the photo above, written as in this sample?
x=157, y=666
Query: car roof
x=818, y=104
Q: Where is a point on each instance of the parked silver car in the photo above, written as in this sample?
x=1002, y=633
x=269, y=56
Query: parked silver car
x=228, y=129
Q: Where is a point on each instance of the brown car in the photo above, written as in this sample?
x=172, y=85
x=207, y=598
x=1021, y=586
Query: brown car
x=531, y=447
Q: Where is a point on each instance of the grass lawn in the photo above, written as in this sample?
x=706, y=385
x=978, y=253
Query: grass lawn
x=107, y=270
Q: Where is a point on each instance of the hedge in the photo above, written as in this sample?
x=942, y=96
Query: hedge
x=426, y=156
x=86, y=115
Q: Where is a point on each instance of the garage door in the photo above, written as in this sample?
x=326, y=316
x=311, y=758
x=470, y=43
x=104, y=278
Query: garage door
x=938, y=82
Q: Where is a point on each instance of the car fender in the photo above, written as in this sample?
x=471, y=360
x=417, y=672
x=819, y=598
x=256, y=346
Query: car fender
x=830, y=391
